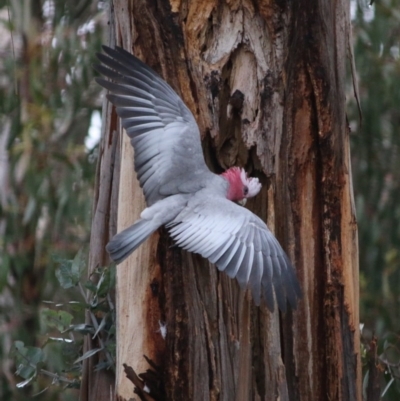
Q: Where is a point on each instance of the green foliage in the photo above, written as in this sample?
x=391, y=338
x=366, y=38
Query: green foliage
x=31, y=361
x=28, y=361
x=47, y=100
x=376, y=163
x=60, y=320
x=376, y=176
x=385, y=360
x=69, y=271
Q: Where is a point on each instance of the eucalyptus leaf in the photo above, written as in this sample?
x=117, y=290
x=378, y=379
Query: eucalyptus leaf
x=106, y=282
x=25, y=382
x=81, y=328
x=88, y=354
x=102, y=365
x=28, y=360
x=59, y=319
x=29, y=211
x=101, y=326
x=61, y=340
x=90, y=286
x=77, y=306
x=25, y=371
x=69, y=272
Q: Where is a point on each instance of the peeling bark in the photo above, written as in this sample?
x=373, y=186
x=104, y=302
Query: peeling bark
x=319, y=178
x=265, y=81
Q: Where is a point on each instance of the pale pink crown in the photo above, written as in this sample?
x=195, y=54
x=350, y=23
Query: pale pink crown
x=252, y=183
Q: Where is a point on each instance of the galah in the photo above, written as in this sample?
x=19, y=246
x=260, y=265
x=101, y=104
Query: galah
x=197, y=206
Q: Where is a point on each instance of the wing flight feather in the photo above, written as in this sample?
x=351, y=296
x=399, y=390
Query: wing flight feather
x=240, y=244
x=162, y=129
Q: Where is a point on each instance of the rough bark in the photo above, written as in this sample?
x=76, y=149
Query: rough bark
x=373, y=390
x=265, y=81
x=318, y=174
x=99, y=385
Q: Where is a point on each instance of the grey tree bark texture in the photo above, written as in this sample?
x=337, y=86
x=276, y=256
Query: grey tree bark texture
x=266, y=82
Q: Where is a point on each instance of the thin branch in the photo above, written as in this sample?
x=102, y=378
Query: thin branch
x=57, y=376
x=109, y=357
x=387, y=387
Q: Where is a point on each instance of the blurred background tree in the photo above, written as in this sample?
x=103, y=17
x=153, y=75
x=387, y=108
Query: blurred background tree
x=376, y=161
x=49, y=109
x=376, y=175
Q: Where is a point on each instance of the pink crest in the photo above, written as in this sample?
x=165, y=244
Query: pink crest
x=240, y=186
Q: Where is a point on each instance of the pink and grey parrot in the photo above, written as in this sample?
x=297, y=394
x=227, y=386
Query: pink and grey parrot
x=197, y=206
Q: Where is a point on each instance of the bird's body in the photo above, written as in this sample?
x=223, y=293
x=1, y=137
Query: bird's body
x=197, y=206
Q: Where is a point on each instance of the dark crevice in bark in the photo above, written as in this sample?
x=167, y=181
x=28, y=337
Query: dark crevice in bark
x=349, y=384
x=258, y=365
x=176, y=318
x=320, y=260
x=375, y=370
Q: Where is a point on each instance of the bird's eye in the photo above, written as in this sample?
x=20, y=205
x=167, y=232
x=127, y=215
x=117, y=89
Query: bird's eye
x=245, y=191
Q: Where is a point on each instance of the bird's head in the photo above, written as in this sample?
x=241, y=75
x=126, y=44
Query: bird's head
x=240, y=186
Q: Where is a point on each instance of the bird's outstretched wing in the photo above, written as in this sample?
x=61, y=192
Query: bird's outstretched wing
x=168, y=154
x=240, y=244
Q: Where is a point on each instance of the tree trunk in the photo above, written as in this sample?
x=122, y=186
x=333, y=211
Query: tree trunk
x=266, y=83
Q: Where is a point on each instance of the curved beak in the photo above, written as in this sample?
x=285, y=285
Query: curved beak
x=242, y=202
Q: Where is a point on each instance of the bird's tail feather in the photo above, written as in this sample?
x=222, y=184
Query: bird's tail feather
x=125, y=242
